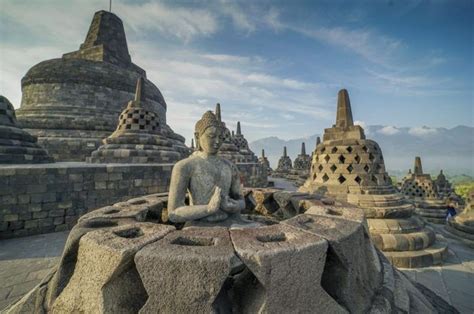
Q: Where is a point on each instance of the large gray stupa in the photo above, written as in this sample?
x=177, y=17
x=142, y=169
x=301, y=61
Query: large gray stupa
x=72, y=103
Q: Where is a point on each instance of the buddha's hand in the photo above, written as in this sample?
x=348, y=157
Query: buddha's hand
x=215, y=201
x=230, y=205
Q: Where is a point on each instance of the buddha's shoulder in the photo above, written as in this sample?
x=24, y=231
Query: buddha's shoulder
x=187, y=163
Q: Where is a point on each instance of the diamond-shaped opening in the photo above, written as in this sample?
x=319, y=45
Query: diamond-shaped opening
x=341, y=159
x=371, y=157
x=349, y=149
x=375, y=148
x=350, y=168
x=334, y=150
x=364, y=148
x=314, y=176
x=323, y=149
x=333, y=168
x=366, y=168
x=357, y=158
x=358, y=180
x=325, y=178
x=327, y=158
x=341, y=179
x=374, y=179
x=320, y=167
x=378, y=167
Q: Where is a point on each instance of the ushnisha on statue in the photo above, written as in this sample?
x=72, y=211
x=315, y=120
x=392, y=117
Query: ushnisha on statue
x=213, y=183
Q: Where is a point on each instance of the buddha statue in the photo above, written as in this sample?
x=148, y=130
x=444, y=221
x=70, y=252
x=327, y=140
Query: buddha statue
x=213, y=183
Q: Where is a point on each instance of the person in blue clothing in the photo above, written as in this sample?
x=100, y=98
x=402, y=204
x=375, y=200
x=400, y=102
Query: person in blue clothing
x=450, y=209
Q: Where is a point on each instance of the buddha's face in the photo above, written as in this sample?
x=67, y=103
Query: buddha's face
x=210, y=140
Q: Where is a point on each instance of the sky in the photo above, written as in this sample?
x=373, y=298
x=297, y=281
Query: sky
x=276, y=66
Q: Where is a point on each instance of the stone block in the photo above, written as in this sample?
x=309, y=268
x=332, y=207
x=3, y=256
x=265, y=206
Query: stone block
x=351, y=276
x=105, y=278
x=202, y=258
x=276, y=256
x=10, y=217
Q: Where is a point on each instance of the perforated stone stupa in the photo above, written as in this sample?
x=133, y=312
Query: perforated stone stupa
x=16, y=145
x=265, y=162
x=72, y=103
x=443, y=186
x=351, y=168
x=422, y=190
x=228, y=148
x=138, y=138
x=242, y=144
x=284, y=164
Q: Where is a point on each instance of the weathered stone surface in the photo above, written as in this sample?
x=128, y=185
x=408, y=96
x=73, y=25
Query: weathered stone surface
x=321, y=262
x=185, y=271
x=284, y=165
x=46, y=198
x=351, y=277
x=105, y=279
x=288, y=264
x=462, y=225
x=16, y=145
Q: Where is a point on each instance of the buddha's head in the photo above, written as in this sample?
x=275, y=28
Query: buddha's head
x=208, y=134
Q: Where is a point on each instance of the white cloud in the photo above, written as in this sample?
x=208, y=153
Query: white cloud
x=422, y=131
x=183, y=23
x=389, y=130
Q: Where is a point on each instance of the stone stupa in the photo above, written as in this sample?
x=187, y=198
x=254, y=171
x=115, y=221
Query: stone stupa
x=228, y=149
x=72, y=103
x=265, y=162
x=16, y=145
x=242, y=144
x=349, y=167
x=422, y=190
x=284, y=165
x=445, y=190
x=301, y=167
x=462, y=225
x=138, y=138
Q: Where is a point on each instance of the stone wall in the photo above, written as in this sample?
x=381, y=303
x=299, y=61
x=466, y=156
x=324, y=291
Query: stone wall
x=253, y=174
x=38, y=199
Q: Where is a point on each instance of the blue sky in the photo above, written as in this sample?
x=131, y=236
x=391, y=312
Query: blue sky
x=274, y=65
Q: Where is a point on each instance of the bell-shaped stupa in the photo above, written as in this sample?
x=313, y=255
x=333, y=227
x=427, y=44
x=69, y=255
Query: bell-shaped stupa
x=72, y=103
x=263, y=160
x=284, y=165
x=302, y=161
x=228, y=149
x=138, y=138
x=349, y=167
x=16, y=145
x=242, y=144
x=423, y=192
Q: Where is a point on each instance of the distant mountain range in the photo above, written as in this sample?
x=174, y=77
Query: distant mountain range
x=439, y=148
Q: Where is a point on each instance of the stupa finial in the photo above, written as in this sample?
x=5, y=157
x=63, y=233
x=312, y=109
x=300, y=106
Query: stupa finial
x=192, y=144
x=140, y=90
x=418, y=168
x=318, y=141
x=263, y=153
x=344, y=111
x=284, y=151
x=303, y=149
x=239, y=131
x=218, y=112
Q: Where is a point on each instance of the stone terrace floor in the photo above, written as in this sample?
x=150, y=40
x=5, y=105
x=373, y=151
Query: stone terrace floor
x=25, y=261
